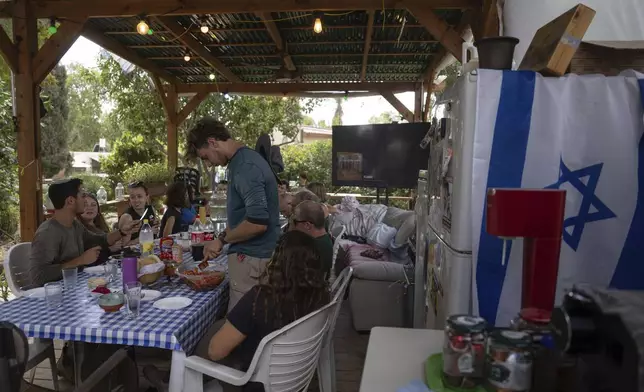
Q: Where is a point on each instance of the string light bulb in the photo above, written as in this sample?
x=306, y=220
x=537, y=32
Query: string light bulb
x=142, y=27
x=52, y=29
x=211, y=76
x=317, y=25
x=186, y=57
x=204, y=25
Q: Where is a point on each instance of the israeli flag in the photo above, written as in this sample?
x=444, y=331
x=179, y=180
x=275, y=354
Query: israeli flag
x=578, y=133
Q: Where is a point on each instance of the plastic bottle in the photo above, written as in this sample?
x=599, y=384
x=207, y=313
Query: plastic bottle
x=208, y=229
x=119, y=192
x=218, y=211
x=197, y=235
x=101, y=195
x=146, y=239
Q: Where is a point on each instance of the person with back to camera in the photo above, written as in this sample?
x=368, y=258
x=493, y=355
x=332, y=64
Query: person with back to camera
x=252, y=204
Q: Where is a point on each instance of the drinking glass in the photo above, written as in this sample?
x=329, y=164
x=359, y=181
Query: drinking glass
x=133, y=298
x=111, y=270
x=70, y=276
x=54, y=294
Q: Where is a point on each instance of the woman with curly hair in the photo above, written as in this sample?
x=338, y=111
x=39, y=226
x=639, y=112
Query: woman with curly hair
x=292, y=287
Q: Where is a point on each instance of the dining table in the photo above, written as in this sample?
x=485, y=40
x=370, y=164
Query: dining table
x=80, y=319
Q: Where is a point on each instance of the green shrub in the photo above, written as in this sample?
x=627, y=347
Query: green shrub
x=9, y=218
x=92, y=183
x=127, y=151
x=147, y=172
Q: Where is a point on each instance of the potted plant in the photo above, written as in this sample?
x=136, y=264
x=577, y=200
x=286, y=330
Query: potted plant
x=154, y=175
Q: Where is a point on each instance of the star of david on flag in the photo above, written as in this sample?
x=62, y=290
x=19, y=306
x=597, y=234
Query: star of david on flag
x=589, y=200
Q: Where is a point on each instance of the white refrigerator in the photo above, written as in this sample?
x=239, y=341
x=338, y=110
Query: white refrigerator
x=449, y=227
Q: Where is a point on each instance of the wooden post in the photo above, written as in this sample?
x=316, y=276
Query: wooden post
x=418, y=102
x=173, y=129
x=27, y=112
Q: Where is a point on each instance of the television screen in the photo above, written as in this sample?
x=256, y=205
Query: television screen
x=379, y=155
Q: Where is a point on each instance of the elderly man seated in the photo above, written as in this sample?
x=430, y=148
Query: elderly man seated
x=308, y=217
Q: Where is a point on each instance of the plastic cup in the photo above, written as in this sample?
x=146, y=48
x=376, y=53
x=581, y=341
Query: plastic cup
x=54, y=294
x=133, y=298
x=70, y=277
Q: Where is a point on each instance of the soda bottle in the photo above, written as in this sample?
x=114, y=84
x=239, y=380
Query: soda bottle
x=208, y=229
x=146, y=239
x=197, y=235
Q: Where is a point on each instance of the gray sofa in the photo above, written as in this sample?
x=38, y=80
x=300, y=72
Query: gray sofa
x=381, y=293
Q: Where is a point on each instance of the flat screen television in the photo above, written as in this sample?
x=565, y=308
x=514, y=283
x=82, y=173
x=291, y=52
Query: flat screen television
x=379, y=155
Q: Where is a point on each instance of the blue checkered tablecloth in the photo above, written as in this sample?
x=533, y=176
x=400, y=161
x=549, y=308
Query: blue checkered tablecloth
x=81, y=319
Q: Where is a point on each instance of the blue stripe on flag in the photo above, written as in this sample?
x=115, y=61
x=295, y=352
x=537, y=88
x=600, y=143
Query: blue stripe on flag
x=630, y=267
x=507, y=159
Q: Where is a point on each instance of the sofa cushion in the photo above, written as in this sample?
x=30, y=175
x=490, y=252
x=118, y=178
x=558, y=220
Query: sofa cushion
x=379, y=270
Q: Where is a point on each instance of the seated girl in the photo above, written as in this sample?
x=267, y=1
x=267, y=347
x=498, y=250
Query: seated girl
x=176, y=199
x=94, y=221
x=140, y=209
x=293, y=287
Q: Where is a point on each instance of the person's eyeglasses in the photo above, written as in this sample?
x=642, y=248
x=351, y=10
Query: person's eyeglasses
x=137, y=184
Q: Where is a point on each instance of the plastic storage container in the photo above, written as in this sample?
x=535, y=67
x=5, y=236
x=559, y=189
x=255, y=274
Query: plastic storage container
x=464, y=351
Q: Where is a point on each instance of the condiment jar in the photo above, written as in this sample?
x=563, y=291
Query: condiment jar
x=464, y=351
x=509, y=367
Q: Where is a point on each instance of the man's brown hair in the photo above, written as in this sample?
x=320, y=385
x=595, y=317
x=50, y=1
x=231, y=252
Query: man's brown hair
x=204, y=129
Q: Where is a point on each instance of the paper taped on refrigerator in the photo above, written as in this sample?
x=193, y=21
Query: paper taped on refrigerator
x=582, y=134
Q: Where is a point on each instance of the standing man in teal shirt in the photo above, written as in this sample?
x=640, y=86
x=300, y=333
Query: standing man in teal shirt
x=252, y=204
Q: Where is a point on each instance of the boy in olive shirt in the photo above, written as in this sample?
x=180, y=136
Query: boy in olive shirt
x=62, y=241
x=308, y=216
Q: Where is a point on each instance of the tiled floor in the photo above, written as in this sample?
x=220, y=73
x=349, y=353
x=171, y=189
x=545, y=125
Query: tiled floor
x=350, y=352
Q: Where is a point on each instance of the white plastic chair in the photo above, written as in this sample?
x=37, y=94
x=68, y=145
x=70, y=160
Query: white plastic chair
x=284, y=361
x=16, y=267
x=336, y=248
x=16, y=270
x=326, y=363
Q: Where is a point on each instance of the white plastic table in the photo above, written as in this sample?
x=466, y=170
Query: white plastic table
x=396, y=356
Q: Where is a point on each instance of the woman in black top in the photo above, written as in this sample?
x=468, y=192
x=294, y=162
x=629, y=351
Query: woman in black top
x=139, y=209
x=175, y=200
x=295, y=287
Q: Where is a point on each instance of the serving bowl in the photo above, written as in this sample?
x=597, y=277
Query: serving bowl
x=111, y=302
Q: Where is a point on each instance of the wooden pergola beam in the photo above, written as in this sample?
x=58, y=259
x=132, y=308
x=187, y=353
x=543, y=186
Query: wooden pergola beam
x=435, y=62
x=192, y=104
x=116, y=8
x=8, y=51
x=283, y=28
x=55, y=48
x=196, y=47
x=27, y=111
x=437, y=27
x=169, y=101
x=313, y=55
x=287, y=88
x=418, y=102
x=120, y=50
x=367, y=44
x=428, y=97
x=274, y=32
x=399, y=106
